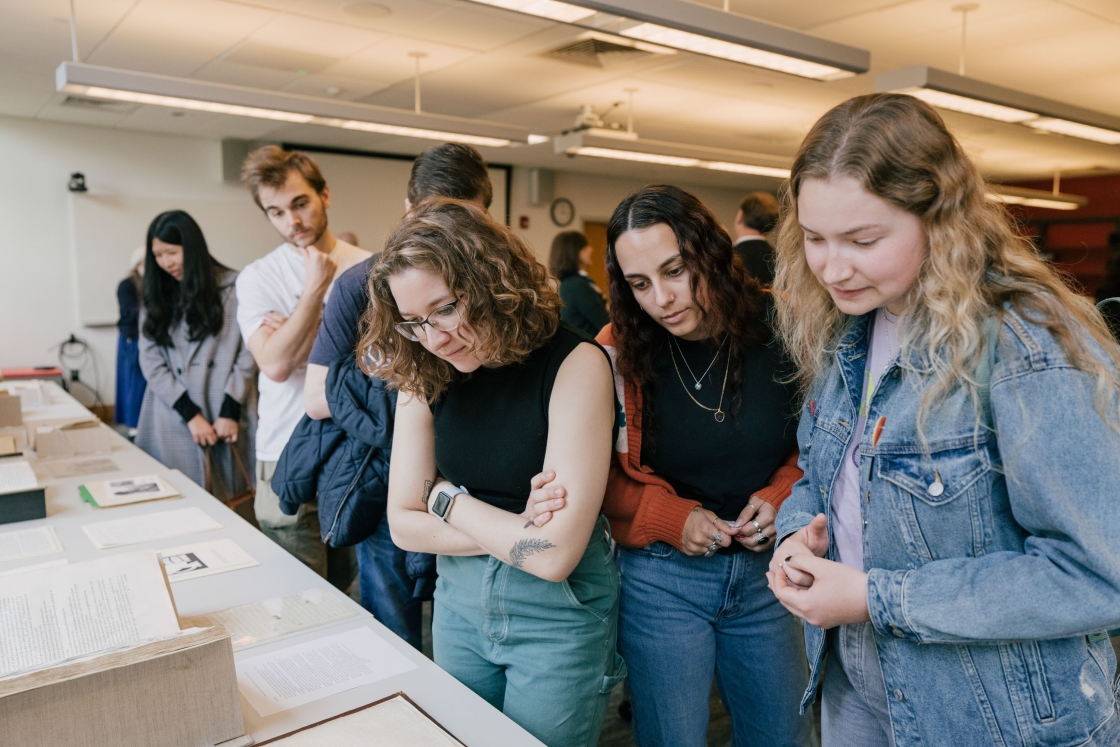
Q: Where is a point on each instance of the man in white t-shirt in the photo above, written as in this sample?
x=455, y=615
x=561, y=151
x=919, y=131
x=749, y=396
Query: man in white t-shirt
x=280, y=300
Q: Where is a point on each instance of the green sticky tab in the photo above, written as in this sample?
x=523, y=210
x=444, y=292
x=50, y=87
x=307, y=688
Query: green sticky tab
x=87, y=496
x=1097, y=637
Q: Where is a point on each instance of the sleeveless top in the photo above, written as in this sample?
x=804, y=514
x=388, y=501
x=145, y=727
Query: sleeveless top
x=491, y=425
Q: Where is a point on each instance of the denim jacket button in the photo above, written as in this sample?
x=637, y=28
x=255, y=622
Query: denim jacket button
x=898, y=695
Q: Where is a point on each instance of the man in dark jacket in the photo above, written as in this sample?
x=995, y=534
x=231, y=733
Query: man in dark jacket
x=388, y=589
x=757, y=216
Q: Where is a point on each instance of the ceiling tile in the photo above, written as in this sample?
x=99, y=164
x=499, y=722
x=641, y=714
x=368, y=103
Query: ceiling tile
x=479, y=27
x=298, y=32
x=172, y=37
x=405, y=15
x=250, y=76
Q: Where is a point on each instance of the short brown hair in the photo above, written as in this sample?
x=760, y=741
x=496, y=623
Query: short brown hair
x=504, y=294
x=451, y=170
x=269, y=167
x=563, y=260
x=760, y=211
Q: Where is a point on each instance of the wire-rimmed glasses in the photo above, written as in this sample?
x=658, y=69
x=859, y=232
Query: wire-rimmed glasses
x=446, y=319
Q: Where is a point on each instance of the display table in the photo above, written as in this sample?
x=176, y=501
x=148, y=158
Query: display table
x=459, y=710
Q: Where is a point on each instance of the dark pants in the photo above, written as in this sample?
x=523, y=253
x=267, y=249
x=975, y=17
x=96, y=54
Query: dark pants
x=387, y=589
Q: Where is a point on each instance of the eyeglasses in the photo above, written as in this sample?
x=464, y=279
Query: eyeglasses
x=446, y=319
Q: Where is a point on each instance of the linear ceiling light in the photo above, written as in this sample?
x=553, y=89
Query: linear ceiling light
x=955, y=92
x=703, y=30
x=1035, y=198
x=666, y=154
x=216, y=98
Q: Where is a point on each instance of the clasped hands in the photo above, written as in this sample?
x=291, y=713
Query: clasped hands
x=822, y=592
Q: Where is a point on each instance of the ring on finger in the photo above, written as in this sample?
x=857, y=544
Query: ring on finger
x=757, y=526
x=761, y=539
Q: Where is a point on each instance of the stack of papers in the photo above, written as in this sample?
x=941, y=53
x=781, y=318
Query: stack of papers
x=126, y=490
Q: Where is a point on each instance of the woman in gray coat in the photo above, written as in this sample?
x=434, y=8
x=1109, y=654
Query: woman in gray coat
x=201, y=396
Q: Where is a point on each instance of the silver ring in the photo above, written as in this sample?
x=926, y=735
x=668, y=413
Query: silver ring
x=709, y=553
x=757, y=526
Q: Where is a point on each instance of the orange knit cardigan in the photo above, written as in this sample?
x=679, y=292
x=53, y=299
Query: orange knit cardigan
x=642, y=507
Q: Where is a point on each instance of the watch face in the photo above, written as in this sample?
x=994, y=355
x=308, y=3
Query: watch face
x=441, y=504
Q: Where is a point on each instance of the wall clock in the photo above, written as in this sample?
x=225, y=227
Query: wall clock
x=562, y=211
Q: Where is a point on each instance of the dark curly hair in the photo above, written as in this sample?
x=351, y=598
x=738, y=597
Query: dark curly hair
x=197, y=298
x=505, y=293
x=731, y=301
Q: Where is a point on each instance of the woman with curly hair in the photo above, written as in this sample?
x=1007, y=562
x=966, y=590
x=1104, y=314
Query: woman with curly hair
x=704, y=462
x=493, y=391
x=956, y=532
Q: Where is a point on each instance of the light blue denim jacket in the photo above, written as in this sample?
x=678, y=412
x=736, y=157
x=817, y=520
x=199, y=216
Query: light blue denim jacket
x=990, y=594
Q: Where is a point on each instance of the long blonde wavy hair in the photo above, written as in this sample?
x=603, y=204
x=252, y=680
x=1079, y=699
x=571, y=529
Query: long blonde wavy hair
x=504, y=295
x=899, y=149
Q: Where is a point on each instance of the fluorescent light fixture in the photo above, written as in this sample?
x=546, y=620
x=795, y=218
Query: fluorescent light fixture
x=1074, y=129
x=955, y=92
x=1035, y=198
x=703, y=30
x=216, y=98
x=667, y=154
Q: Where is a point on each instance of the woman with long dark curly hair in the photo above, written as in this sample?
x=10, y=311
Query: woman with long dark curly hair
x=706, y=457
x=200, y=374
x=494, y=390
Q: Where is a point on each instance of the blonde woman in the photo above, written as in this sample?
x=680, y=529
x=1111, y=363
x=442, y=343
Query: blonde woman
x=493, y=391
x=957, y=531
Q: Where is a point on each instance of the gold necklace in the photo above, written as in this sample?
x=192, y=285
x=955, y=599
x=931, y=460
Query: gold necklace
x=718, y=409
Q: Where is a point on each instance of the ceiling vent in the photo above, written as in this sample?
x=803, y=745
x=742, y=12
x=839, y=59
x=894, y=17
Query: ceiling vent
x=596, y=52
x=116, y=107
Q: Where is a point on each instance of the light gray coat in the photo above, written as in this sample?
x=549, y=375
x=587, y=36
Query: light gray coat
x=207, y=369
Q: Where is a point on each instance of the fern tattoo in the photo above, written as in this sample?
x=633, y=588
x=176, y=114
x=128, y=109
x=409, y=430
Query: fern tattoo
x=522, y=549
x=428, y=485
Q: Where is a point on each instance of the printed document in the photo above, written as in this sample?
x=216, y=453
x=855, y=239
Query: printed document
x=253, y=623
x=317, y=669
x=57, y=614
x=393, y=722
x=26, y=543
x=149, y=527
x=82, y=467
x=204, y=559
x=16, y=477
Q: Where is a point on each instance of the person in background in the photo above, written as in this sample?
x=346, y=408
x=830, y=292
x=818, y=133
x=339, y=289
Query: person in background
x=200, y=375
x=280, y=302
x=954, y=545
x=584, y=307
x=1110, y=287
x=130, y=379
x=349, y=237
x=387, y=585
x=494, y=389
x=706, y=458
x=757, y=216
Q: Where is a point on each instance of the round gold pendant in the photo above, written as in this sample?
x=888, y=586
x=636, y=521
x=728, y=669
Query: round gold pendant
x=719, y=416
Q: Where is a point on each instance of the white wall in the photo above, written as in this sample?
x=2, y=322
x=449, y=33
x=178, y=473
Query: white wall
x=595, y=198
x=38, y=283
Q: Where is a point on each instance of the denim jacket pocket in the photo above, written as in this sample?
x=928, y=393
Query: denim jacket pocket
x=938, y=494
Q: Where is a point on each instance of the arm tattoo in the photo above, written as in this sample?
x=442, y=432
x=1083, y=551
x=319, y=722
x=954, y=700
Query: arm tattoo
x=428, y=485
x=522, y=549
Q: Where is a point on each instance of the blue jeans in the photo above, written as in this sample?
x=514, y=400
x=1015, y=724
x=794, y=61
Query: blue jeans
x=387, y=589
x=854, y=697
x=684, y=619
x=542, y=652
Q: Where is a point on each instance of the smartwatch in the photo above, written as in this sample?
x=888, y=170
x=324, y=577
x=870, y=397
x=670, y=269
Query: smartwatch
x=441, y=506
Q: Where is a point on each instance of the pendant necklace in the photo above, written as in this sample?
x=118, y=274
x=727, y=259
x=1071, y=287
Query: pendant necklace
x=697, y=386
x=718, y=409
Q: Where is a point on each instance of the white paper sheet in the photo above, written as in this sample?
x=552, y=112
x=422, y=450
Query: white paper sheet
x=204, y=559
x=27, y=543
x=317, y=669
x=34, y=567
x=15, y=476
x=253, y=623
x=149, y=527
x=55, y=614
x=82, y=467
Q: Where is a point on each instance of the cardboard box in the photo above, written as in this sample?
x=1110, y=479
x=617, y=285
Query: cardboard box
x=11, y=411
x=88, y=437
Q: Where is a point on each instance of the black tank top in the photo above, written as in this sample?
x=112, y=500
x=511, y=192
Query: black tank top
x=492, y=426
